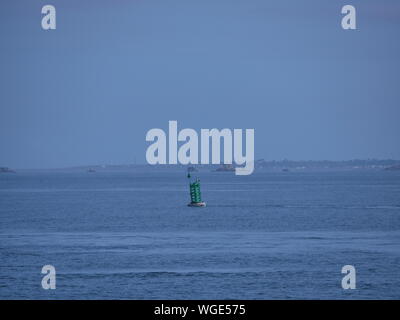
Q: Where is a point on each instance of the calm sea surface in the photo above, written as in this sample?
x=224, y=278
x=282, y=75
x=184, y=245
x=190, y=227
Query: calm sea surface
x=130, y=235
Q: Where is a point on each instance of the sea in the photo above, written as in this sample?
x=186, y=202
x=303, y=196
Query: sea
x=129, y=234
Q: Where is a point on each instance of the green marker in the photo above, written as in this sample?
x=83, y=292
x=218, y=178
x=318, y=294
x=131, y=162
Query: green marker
x=195, y=193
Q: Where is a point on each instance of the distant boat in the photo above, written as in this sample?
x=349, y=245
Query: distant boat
x=91, y=170
x=285, y=170
x=192, y=169
x=226, y=168
x=393, y=168
x=6, y=170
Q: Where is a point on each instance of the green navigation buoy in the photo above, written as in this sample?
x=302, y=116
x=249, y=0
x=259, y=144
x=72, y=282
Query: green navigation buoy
x=195, y=193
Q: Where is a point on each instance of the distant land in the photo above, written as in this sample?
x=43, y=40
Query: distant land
x=261, y=164
x=328, y=164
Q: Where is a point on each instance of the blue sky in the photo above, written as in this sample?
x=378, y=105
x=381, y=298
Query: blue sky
x=88, y=92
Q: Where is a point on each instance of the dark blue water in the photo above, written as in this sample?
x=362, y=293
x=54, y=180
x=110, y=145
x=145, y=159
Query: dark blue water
x=130, y=235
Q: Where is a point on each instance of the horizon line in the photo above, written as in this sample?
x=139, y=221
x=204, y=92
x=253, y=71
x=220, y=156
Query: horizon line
x=199, y=164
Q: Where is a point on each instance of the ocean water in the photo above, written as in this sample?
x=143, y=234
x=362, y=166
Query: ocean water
x=130, y=235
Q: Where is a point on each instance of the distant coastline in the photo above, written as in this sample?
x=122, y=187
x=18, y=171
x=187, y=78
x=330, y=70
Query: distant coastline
x=260, y=164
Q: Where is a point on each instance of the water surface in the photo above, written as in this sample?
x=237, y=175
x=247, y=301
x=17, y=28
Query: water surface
x=130, y=235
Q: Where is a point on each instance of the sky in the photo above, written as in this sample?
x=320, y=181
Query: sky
x=88, y=92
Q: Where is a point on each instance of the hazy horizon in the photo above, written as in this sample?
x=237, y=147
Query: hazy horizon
x=199, y=164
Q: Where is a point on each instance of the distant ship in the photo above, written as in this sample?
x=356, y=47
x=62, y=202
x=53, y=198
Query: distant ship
x=192, y=169
x=393, y=168
x=6, y=170
x=226, y=168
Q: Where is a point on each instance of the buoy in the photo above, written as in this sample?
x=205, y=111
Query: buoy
x=195, y=193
